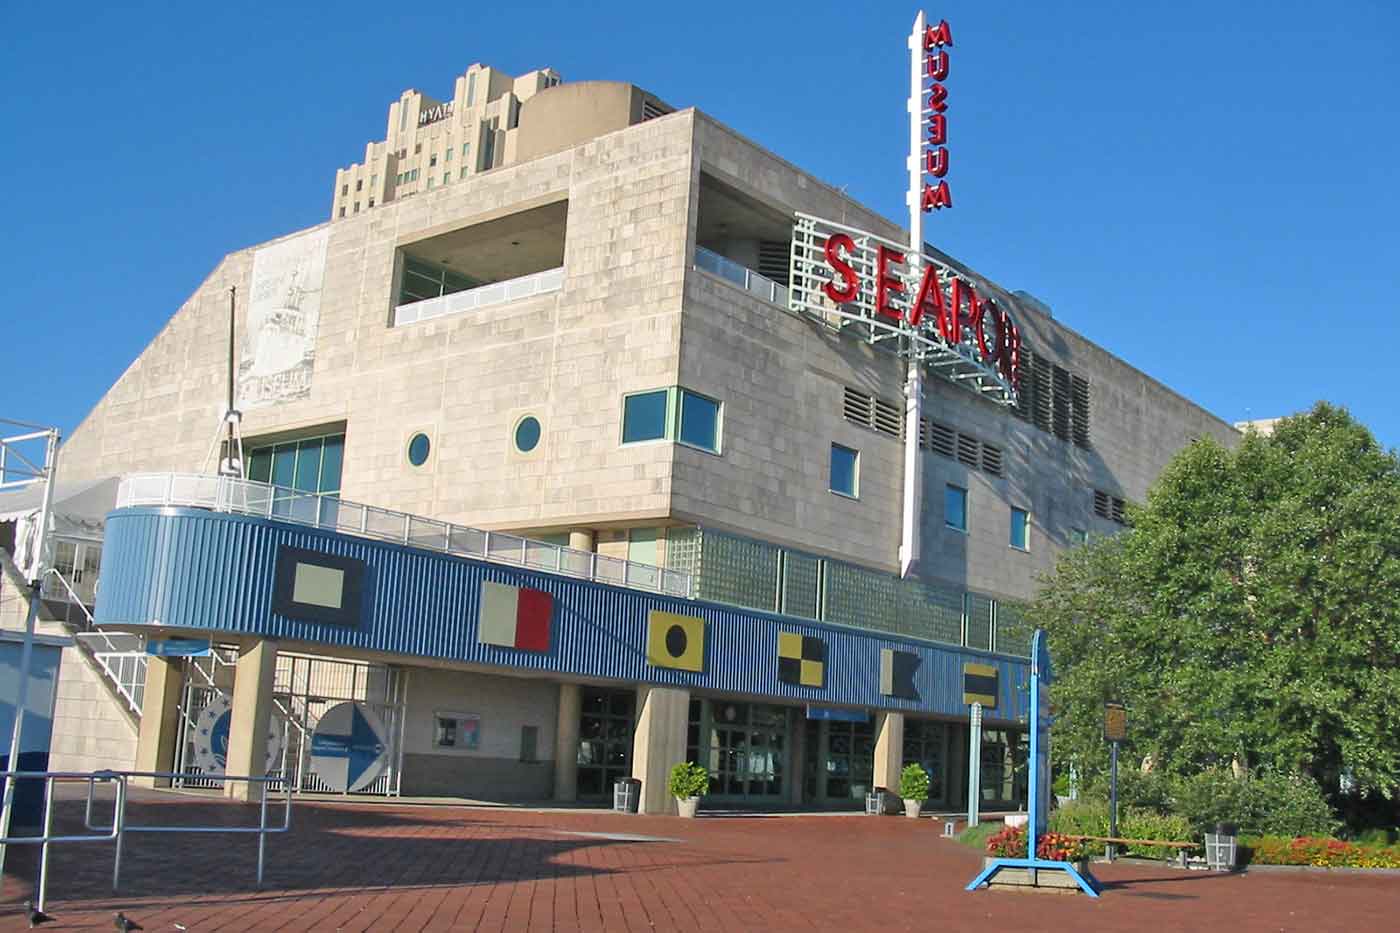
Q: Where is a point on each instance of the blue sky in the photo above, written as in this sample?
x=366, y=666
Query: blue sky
x=1205, y=189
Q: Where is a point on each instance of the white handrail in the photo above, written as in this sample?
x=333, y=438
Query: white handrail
x=280, y=503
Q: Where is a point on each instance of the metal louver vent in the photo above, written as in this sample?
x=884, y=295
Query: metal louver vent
x=857, y=406
x=1102, y=504
x=1118, y=515
x=652, y=109
x=773, y=260
x=888, y=418
x=942, y=439
x=991, y=459
x=1062, y=403
x=1079, y=389
x=967, y=451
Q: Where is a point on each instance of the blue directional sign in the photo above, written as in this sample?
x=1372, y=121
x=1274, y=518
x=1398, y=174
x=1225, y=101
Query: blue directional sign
x=178, y=647
x=837, y=714
x=348, y=750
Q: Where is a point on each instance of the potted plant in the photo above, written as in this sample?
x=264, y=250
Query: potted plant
x=687, y=784
x=913, y=787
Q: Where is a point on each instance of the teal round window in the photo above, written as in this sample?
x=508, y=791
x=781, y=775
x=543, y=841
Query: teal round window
x=418, y=449
x=527, y=434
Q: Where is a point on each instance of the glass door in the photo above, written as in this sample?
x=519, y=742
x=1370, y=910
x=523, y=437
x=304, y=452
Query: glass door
x=604, y=741
x=926, y=744
x=743, y=745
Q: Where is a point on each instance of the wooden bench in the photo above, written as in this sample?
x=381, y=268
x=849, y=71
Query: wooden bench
x=1181, y=847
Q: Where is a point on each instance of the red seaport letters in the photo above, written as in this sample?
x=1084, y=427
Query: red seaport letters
x=842, y=268
x=885, y=283
x=937, y=197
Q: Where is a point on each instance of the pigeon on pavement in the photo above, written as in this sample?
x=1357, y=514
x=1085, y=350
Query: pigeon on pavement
x=125, y=925
x=36, y=916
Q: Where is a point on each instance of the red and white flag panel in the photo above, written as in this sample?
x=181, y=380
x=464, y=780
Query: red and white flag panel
x=514, y=616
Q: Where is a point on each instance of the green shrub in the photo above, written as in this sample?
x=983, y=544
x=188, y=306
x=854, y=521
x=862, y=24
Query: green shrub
x=977, y=836
x=688, y=780
x=913, y=783
x=1267, y=805
x=1082, y=817
x=1378, y=836
x=1149, y=824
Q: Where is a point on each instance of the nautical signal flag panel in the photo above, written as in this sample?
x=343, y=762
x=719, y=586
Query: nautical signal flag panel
x=980, y=682
x=318, y=587
x=514, y=616
x=801, y=660
x=674, y=640
x=897, y=670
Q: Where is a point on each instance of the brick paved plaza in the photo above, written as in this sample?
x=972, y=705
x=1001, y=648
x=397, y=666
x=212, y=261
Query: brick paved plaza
x=402, y=867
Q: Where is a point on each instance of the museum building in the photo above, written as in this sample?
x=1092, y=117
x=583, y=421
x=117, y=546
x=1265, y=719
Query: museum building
x=557, y=463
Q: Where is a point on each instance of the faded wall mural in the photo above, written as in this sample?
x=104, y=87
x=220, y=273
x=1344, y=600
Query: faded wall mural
x=284, y=311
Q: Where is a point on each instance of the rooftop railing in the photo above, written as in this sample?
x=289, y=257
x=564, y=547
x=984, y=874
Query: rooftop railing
x=526, y=286
x=742, y=276
x=245, y=497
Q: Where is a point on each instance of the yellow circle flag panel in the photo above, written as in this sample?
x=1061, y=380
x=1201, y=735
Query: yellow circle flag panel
x=675, y=641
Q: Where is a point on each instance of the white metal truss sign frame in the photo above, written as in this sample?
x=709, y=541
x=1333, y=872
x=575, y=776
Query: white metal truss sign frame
x=913, y=305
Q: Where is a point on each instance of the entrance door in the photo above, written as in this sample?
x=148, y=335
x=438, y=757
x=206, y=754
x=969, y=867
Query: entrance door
x=744, y=746
x=838, y=763
x=926, y=744
x=604, y=741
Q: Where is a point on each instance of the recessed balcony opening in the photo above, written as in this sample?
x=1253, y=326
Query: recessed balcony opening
x=743, y=240
x=509, y=258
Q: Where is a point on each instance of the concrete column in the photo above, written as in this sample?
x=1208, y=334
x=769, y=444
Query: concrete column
x=889, y=750
x=658, y=743
x=252, y=715
x=566, y=743
x=581, y=539
x=160, y=719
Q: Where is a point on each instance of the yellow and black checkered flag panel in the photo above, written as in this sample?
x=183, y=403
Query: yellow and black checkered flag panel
x=675, y=641
x=980, y=684
x=801, y=660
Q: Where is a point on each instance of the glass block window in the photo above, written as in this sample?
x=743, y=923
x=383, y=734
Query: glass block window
x=683, y=549
x=739, y=571
x=801, y=579
x=1013, y=632
x=862, y=598
x=844, y=471
x=310, y=465
x=979, y=621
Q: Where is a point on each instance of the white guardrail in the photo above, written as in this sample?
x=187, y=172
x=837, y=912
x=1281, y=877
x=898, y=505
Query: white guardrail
x=742, y=276
x=526, y=286
x=245, y=497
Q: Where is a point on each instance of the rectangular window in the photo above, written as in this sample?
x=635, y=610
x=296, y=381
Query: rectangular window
x=641, y=546
x=1078, y=536
x=644, y=416
x=430, y=181
x=1020, y=529
x=342, y=212
x=432, y=160
x=446, y=177
x=414, y=175
x=529, y=744
x=373, y=181
x=359, y=184
x=471, y=88
x=955, y=507
x=417, y=148
x=699, y=425
x=845, y=471
x=466, y=150
x=357, y=207
x=345, y=188
x=311, y=465
x=457, y=730
x=371, y=202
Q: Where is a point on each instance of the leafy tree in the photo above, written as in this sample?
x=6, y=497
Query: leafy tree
x=1249, y=617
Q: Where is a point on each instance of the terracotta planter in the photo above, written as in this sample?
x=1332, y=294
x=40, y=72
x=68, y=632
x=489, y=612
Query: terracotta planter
x=1034, y=878
x=912, y=808
x=687, y=806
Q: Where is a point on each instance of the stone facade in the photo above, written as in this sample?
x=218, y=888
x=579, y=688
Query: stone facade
x=634, y=313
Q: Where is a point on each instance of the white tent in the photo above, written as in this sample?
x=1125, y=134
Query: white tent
x=79, y=511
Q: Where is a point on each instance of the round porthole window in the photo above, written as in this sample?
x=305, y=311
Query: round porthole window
x=527, y=434
x=418, y=448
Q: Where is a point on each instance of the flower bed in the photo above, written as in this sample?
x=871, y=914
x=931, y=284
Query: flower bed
x=1053, y=847
x=1320, y=851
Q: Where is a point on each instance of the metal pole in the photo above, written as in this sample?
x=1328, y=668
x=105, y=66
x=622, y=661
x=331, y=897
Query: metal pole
x=262, y=835
x=913, y=385
x=118, y=818
x=974, y=767
x=41, y=564
x=232, y=292
x=1113, y=800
